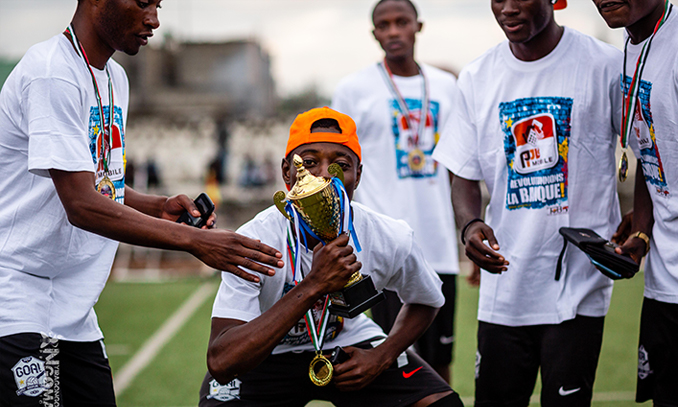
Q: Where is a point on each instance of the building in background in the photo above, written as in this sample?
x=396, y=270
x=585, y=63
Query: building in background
x=231, y=79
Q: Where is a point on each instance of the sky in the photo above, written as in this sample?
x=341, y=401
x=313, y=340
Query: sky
x=312, y=43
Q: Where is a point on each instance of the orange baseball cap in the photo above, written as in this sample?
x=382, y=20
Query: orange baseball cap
x=300, y=131
x=560, y=4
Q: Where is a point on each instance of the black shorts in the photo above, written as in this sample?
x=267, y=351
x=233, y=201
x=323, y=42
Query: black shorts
x=36, y=370
x=282, y=380
x=509, y=358
x=658, y=354
x=436, y=344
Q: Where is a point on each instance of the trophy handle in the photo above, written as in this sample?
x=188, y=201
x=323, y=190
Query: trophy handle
x=279, y=201
x=336, y=171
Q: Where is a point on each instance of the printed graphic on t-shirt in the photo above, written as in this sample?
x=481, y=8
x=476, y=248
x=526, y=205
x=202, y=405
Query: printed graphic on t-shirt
x=409, y=165
x=298, y=335
x=117, y=162
x=644, y=131
x=536, y=139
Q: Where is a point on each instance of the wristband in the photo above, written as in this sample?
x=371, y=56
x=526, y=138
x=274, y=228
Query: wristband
x=463, y=230
x=645, y=238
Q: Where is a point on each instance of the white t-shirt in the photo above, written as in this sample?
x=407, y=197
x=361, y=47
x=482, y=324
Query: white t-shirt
x=51, y=273
x=542, y=136
x=389, y=255
x=388, y=184
x=654, y=139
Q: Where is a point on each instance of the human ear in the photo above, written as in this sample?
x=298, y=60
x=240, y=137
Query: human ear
x=285, y=167
x=358, y=173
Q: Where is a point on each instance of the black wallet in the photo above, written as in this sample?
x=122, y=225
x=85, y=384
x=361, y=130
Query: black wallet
x=601, y=253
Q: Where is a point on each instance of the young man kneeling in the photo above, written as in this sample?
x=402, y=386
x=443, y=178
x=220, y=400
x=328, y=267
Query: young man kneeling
x=260, y=348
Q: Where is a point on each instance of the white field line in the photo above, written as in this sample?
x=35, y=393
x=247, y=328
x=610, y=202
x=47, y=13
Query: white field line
x=600, y=396
x=155, y=343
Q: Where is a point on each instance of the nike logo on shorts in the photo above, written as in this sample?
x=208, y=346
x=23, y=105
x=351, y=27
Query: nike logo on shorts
x=564, y=392
x=408, y=375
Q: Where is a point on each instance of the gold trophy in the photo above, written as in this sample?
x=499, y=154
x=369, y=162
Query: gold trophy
x=319, y=205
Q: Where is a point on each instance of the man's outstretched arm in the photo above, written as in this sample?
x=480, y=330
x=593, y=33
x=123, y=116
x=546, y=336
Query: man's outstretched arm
x=153, y=226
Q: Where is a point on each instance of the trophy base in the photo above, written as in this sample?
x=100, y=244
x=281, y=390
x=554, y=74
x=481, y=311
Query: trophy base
x=355, y=299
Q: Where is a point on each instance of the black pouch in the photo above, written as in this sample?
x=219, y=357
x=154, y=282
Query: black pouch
x=601, y=253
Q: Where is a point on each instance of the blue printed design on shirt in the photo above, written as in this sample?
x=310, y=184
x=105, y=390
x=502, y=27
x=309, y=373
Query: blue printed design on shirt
x=116, y=173
x=403, y=137
x=536, y=141
x=644, y=131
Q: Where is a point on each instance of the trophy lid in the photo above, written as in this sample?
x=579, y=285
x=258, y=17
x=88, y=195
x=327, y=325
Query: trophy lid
x=307, y=184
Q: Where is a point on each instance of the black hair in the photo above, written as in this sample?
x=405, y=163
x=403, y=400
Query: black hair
x=374, y=10
x=326, y=124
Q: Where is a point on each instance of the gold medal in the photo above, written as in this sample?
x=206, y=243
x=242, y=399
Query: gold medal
x=320, y=370
x=106, y=187
x=623, y=167
x=416, y=159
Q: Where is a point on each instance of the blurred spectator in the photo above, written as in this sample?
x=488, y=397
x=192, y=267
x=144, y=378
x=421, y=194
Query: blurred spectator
x=251, y=174
x=221, y=160
x=216, y=168
x=129, y=173
x=153, y=179
x=212, y=186
x=269, y=171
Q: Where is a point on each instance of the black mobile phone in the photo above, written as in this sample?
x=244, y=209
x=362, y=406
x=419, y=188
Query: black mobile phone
x=338, y=356
x=205, y=206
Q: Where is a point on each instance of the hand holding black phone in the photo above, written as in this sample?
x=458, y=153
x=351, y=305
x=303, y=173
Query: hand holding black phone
x=338, y=356
x=206, y=208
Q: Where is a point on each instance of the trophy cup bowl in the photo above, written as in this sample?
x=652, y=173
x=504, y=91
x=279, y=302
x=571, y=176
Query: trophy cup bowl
x=319, y=206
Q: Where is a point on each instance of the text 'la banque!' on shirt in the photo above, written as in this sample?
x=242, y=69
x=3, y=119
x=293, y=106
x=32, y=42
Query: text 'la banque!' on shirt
x=541, y=134
x=654, y=140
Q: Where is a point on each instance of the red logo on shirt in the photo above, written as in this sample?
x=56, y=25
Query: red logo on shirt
x=536, y=144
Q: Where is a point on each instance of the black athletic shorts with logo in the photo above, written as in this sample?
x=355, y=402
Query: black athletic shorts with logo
x=36, y=370
x=436, y=344
x=658, y=354
x=509, y=359
x=282, y=380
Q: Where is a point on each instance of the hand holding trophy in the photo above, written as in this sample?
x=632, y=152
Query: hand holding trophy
x=320, y=208
x=324, y=212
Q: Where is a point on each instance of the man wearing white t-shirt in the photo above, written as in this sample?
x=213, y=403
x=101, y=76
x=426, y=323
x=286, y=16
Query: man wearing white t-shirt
x=63, y=205
x=399, y=107
x=536, y=120
x=267, y=336
x=652, y=25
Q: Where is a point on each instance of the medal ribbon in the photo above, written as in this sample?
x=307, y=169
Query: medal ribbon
x=316, y=333
x=388, y=78
x=107, y=137
x=631, y=98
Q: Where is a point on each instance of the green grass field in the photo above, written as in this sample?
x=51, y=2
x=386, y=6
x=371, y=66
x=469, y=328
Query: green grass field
x=130, y=313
